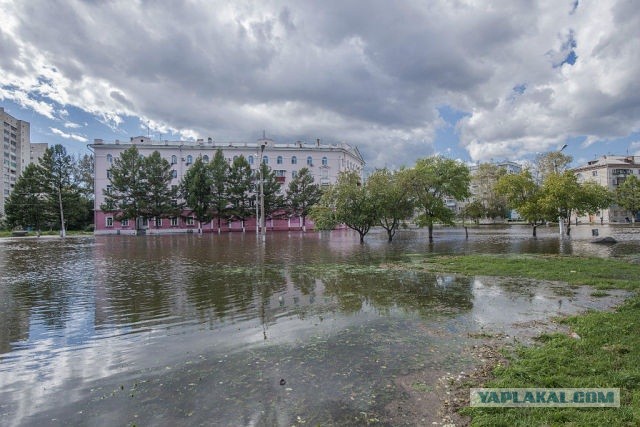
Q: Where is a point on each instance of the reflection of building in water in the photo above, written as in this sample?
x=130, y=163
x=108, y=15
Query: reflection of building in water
x=324, y=162
x=610, y=172
x=14, y=320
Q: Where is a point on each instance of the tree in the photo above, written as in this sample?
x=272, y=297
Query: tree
x=27, y=205
x=59, y=186
x=551, y=162
x=484, y=180
x=628, y=196
x=302, y=194
x=391, y=198
x=473, y=210
x=431, y=181
x=195, y=188
x=126, y=195
x=85, y=174
x=523, y=194
x=273, y=199
x=219, y=173
x=592, y=198
x=239, y=188
x=349, y=202
x=159, y=200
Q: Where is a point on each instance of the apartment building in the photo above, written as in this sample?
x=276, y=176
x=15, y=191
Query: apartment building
x=608, y=171
x=324, y=161
x=16, y=153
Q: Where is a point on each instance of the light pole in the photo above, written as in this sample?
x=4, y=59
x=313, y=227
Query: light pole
x=263, y=144
x=560, y=219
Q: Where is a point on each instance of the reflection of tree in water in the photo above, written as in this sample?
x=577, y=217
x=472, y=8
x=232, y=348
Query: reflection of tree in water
x=233, y=290
x=384, y=290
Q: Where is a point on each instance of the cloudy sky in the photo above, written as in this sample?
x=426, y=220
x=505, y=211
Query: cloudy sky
x=470, y=79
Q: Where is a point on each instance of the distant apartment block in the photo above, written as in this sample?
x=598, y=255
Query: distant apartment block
x=16, y=153
x=324, y=161
x=610, y=172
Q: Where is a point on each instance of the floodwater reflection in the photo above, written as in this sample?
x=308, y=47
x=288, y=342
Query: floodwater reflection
x=183, y=330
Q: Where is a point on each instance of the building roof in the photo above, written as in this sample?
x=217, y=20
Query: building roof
x=209, y=143
x=610, y=161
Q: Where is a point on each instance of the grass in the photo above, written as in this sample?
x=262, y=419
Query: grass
x=606, y=355
x=7, y=233
x=600, y=273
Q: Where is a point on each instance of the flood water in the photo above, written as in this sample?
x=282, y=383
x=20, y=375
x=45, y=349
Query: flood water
x=302, y=329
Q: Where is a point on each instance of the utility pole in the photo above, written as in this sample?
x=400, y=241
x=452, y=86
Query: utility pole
x=560, y=219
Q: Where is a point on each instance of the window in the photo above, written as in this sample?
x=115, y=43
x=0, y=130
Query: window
x=174, y=159
x=174, y=203
x=189, y=159
x=190, y=220
x=158, y=222
x=309, y=161
x=325, y=162
x=145, y=222
x=174, y=173
x=205, y=158
x=109, y=221
x=174, y=221
x=109, y=158
x=124, y=222
x=265, y=160
x=109, y=188
x=294, y=160
x=594, y=173
x=294, y=174
x=281, y=173
x=250, y=160
x=108, y=173
x=279, y=160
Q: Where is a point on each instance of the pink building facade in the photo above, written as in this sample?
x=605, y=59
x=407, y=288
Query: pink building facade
x=324, y=161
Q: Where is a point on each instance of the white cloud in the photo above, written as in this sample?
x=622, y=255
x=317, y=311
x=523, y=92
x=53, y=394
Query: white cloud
x=66, y=135
x=371, y=74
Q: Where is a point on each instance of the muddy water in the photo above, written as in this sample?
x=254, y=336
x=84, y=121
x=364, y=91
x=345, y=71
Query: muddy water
x=221, y=330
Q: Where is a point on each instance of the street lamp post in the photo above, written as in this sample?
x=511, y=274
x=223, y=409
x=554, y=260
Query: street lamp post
x=560, y=219
x=263, y=144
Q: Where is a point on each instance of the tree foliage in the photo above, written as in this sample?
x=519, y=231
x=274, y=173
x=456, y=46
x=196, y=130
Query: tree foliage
x=239, y=189
x=196, y=190
x=347, y=202
x=219, y=173
x=523, y=193
x=159, y=199
x=302, y=194
x=127, y=192
x=27, y=206
x=628, y=195
x=430, y=183
x=273, y=198
x=392, y=202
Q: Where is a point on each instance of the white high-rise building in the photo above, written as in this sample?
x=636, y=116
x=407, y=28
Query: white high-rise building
x=16, y=153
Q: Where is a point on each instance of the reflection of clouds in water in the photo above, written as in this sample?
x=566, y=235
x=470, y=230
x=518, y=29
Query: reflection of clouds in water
x=498, y=303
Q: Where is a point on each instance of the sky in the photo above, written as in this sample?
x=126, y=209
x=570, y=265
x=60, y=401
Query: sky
x=472, y=80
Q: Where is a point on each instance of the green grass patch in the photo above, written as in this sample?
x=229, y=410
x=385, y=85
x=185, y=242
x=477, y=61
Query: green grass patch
x=607, y=355
x=601, y=273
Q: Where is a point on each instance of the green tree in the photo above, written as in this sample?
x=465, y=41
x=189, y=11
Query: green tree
x=392, y=200
x=523, y=193
x=85, y=175
x=431, y=181
x=195, y=188
x=628, y=196
x=592, y=198
x=349, y=202
x=474, y=211
x=551, y=162
x=273, y=199
x=560, y=196
x=126, y=195
x=27, y=205
x=60, y=188
x=159, y=199
x=240, y=189
x=484, y=181
x=219, y=174
x=302, y=195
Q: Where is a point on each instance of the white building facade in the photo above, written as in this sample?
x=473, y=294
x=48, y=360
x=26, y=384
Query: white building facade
x=324, y=161
x=608, y=171
x=16, y=153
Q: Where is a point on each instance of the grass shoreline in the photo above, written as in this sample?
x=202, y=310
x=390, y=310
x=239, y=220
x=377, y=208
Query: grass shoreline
x=606, y=354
